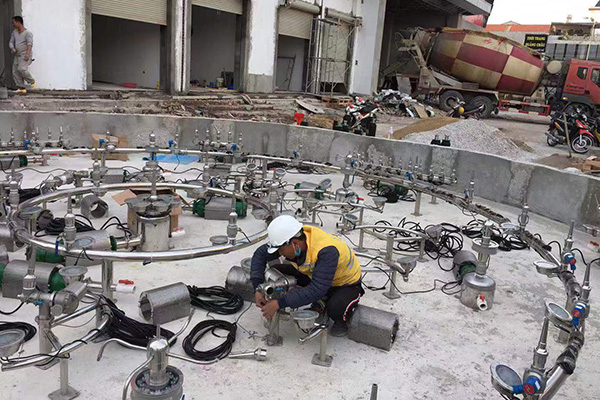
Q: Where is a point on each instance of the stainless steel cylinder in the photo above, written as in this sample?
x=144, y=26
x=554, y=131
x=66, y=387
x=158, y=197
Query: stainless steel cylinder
x=273, y=274
x=15, y=271
x=7, y=239
x=247, y=264
x=93, y=207
x=238, y=282
x=155, y=232
x=373, y=327
x=3, y=254
x=477, y=291
x=165, y=304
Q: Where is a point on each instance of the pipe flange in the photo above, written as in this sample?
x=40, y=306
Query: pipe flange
x=219, y=240
x=490, y=249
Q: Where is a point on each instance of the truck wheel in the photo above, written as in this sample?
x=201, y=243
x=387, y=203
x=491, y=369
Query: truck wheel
x=488, y=105
x=449, y=98
x=578, y=108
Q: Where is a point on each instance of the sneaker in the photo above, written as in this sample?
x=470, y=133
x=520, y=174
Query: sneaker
x=339, y=329
x=21, y=91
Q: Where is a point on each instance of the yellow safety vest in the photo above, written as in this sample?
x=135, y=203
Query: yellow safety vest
x=348, y=268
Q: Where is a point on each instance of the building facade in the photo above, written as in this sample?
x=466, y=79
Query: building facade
x=565, y=40
x=320, y=46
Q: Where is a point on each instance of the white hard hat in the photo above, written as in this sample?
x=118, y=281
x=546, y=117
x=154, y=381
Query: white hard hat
x=281, y=230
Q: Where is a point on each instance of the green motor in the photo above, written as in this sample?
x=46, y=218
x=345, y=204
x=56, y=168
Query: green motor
x=199, y=208
x=56, y=282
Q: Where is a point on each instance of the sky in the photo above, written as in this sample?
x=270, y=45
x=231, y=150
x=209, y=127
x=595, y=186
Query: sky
x=539, y=11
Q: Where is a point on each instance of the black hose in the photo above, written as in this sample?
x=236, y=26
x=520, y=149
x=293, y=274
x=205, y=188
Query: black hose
x=216, y=299
x=201, y=329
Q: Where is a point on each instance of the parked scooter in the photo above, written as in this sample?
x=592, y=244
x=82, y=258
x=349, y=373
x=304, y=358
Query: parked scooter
x=462, y=110
x=360, y=118
x=580, y=132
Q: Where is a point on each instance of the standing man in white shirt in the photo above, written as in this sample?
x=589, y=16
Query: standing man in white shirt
x=21, y=45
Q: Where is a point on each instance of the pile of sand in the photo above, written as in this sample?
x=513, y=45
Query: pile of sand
x=424, y=125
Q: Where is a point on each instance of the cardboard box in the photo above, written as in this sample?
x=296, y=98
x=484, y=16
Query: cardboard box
x=125, y=195
x=118, y=141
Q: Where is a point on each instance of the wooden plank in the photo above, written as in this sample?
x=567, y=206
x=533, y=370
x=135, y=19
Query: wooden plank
x=310, y=107
x=421, y=111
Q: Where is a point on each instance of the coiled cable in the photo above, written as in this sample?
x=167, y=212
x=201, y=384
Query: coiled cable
x=200, y=330
x=130, y=330
x=29, y=329
x=216, y=299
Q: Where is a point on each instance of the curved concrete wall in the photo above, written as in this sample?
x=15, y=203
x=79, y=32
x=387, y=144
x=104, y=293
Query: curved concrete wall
x=552, y=193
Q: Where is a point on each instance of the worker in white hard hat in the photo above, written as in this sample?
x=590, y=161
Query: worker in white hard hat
x=324, y=266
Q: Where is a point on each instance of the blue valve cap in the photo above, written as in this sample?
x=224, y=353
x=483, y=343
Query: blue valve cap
x=532, y=386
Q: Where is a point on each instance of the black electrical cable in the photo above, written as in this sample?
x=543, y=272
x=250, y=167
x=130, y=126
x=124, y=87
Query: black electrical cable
x=216, y=299
x=201, y=329
x=27, y=194
x=129, y=330
x=557, y=243
x=446, y=286
x=57, y=226
x=29, y=329
x=581, y=254
x=506, y=242
x=13, y=311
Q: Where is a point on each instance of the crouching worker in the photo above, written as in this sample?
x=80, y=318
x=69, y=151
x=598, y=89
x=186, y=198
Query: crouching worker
x=324, y=266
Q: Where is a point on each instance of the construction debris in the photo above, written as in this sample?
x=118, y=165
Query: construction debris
x=591, y=165
x=402, y=104
x=310, y=107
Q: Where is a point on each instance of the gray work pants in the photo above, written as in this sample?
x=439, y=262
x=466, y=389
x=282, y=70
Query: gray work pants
x=20, y=71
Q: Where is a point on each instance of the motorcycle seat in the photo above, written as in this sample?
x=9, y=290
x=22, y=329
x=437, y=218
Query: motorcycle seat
x=368, y=108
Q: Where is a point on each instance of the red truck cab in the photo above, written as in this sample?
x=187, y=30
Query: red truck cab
x=581, y=85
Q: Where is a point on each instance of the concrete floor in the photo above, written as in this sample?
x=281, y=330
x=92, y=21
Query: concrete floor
x=443, y=350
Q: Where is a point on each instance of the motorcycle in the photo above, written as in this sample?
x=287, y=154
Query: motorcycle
x=578, y=128
x=361, y=116
x=461, y=109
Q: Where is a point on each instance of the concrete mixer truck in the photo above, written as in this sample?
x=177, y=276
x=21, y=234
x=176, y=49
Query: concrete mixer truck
x=482, y=68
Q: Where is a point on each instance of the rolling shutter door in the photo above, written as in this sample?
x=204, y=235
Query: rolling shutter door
x=150, y=11
x=295, y=23
x=230, y=6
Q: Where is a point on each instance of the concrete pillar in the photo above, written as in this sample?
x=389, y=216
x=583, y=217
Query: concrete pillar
x=241, y=44
x=178, y=42
x=88, y=44
x=454, y=21
x=8, y=8
x=259, y=73
x=367, y=53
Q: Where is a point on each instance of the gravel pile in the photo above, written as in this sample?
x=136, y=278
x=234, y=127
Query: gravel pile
x=474, y=135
